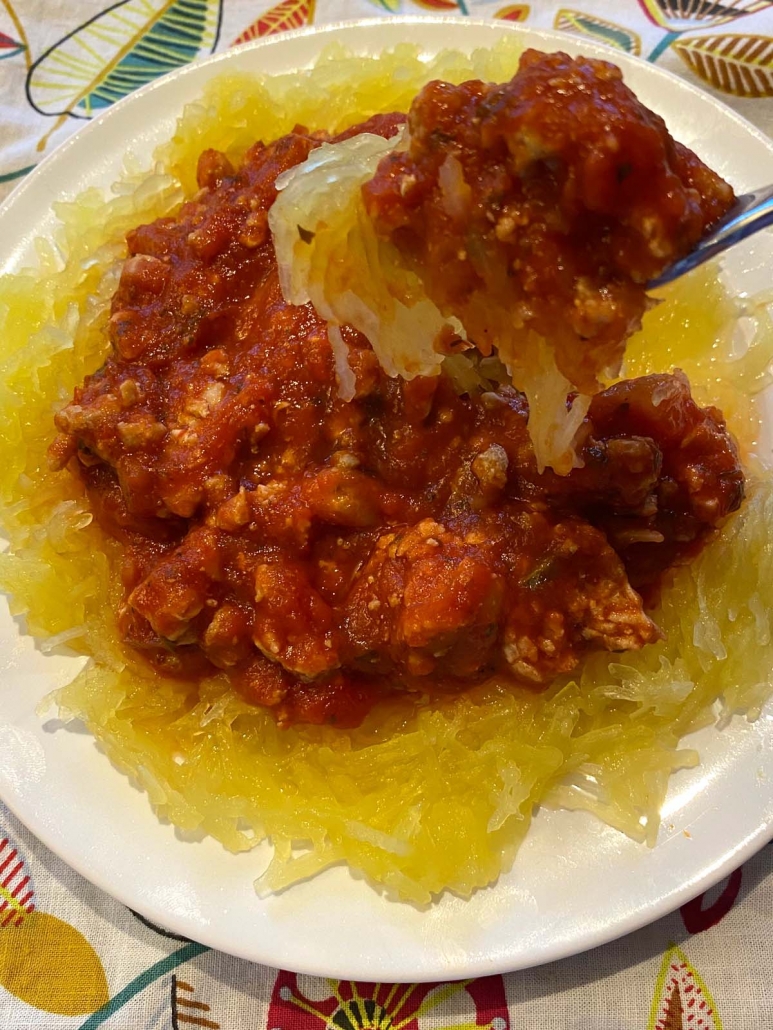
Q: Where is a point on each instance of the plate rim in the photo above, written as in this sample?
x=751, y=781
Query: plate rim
x=475, y=966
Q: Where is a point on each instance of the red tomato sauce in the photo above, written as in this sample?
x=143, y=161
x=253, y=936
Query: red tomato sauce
x=545, y=203
x=326, y=553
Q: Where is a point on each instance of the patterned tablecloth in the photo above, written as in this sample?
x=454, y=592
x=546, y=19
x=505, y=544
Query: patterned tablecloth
x=80, y=959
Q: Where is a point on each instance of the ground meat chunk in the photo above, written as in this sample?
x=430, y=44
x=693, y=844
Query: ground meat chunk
x=179, y=586
x=658, y=472
x=576, y=599
x=701, y=480
x=226, y=640
x=293, y=625
x=427, y=599
x=512, y=589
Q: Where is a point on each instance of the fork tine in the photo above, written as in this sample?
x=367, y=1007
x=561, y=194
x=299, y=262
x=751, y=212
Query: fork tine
x=751, y=213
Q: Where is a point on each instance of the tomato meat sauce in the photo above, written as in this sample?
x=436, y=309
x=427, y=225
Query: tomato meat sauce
x=545, y=203
x=325, y=553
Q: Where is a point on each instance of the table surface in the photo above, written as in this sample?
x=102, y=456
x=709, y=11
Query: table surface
x=80, y=959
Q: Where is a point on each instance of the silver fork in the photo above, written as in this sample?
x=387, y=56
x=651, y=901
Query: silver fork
x=750, y=213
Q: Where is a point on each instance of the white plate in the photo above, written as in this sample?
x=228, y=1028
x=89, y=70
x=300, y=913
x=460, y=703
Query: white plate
x=576, y=883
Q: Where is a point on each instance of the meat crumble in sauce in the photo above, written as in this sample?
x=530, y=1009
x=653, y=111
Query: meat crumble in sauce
x=545, y=203
x=326, y=553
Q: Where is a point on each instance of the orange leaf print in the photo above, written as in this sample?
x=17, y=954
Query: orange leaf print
x=43, y=961
x=51, y=966
x=437, y=5
x=289, y=14
x=681, y=998
x=514, y=12
x=673, y=1012
x=736, y=64
x=183, y=1002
